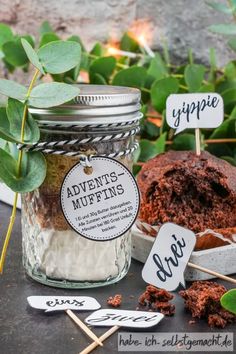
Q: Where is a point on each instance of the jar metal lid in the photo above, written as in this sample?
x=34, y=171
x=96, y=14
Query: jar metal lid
x=106, y=95
x=96, y=104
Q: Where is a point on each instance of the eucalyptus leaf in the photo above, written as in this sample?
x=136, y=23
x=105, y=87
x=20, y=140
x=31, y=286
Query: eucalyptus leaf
x=148, y=150
x=74, y=72
x=220, y=149
x=45, y=28
x=32, y=55
x=161, y=89
x=151, y=129
x=12, y=89
x=103, y=66
x=226, y=130
x=230, y=70
x=136, y=169
x=220, y=7
x=10, y=68
x=97, y=79
x=194, y=75
x=15, y=111
x=32, y=175
x=226, y=29
x=97, y=50
x=14, y=53
x=157, y=68
x=134, y=76
x=48, y=38
x=8, y=170
x=29, y=39
x=164, y=125
x=160, y=144
x=6, y=34
x=128, y=43
x=184, y=142
x=4, y=123
x=228, y=301
x=5, y=132
x=59, y=56
x=232, y=44
x=206, y=88
x=52, y=94
x=12, y=149
x=233, y=113
x=77, y=39
x=225, y=85
x=229, y=96
x=3, y=143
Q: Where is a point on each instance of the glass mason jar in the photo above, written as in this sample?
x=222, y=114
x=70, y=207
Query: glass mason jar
x=53, y=253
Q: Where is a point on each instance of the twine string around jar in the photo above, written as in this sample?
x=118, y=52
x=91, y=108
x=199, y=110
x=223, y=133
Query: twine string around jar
x=44, y=144
x=121, y=153
x=85, y=159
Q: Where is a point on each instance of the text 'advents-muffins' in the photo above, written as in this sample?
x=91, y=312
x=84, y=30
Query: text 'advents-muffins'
x=105, y=186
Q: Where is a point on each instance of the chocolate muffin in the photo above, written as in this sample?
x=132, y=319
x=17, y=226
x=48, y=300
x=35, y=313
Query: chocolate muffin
x=202, y=299
x=197, y=192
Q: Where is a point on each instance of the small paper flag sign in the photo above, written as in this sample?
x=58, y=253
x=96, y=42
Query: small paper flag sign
x=169, y=256
x=194, y=110
x=124, y=318
x=58, y=303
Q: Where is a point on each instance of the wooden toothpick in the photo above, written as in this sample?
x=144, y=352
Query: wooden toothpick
x=84, y=327
x=212, y=272
x=197, y=141
x=106, y=335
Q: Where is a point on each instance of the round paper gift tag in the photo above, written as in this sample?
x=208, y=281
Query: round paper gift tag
x=103, y=205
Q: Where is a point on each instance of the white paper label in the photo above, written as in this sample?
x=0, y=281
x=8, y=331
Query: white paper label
x=194, y=110
x=103, y=205
x=169, y=256
x=57, y=303
x=124, y=318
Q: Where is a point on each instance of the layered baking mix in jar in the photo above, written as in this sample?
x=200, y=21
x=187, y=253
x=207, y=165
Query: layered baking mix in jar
x=102, y=121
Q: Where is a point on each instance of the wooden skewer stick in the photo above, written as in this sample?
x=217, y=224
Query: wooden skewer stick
x=106, y=335
x=84, y=327
x=197, y=141
x=209, y=141
x=217, y=275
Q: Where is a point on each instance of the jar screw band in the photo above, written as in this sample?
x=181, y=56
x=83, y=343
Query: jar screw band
x=43, y=125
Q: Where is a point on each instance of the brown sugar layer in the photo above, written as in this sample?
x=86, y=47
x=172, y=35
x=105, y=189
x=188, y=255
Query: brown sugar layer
x=202, y=299
x=156, y=299
x=198, y=192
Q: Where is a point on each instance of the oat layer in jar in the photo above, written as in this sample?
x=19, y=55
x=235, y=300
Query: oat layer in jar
x=103, y=121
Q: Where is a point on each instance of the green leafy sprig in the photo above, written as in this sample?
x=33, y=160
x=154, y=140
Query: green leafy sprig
x=228, y=301
x=25, y=171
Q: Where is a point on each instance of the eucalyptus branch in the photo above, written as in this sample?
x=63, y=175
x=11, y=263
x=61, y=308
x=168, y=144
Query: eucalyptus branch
x=19, y=162
x=54, y=58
